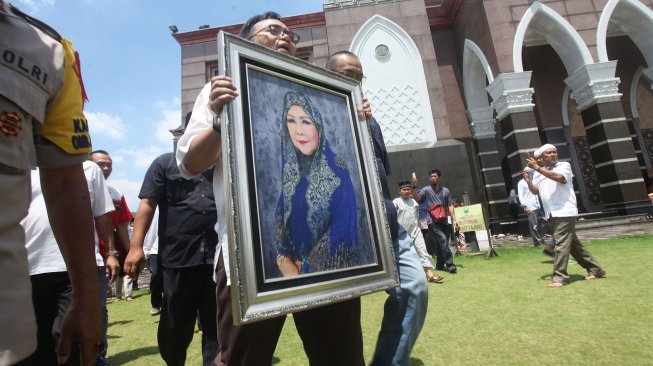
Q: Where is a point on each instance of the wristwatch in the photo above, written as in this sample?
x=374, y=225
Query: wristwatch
x=216, y=126
x=113, y=253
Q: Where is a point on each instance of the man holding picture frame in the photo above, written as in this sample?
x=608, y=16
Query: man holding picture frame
x=330, y=334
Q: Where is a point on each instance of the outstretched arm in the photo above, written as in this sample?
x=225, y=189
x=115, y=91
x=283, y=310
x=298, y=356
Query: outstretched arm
x=413, y=189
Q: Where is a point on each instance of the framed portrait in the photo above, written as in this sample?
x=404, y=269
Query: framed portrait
x=308, y=224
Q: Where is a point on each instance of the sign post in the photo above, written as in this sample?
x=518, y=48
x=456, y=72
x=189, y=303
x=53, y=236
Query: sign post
x=470, y=218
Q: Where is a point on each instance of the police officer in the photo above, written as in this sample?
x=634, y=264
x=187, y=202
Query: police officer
x=42, y=123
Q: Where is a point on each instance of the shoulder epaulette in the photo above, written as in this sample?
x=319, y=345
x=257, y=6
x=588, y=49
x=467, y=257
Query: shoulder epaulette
x=36, y=23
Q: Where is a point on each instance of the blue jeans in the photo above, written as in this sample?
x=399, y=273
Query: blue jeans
x=443, y=254
x=104, y=345
x=405, y=309
x=535, y=227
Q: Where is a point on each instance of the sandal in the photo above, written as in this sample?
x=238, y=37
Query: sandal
x=436, y=279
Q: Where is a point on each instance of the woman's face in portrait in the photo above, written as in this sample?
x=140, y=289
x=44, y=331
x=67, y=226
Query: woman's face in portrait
x=302, y=130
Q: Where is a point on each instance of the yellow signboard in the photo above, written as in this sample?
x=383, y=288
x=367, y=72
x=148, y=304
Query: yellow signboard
x=470, y=218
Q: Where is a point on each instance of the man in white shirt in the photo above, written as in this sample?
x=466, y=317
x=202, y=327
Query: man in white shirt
x=530, y=203
x=51, y=288
x=554, y=185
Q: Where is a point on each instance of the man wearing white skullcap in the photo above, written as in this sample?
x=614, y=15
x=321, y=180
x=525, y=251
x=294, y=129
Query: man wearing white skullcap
x=556, y=190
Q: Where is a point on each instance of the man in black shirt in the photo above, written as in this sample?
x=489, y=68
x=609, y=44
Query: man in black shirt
x=187, y=244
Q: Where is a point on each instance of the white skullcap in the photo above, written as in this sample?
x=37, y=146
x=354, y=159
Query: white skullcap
x=542, y=149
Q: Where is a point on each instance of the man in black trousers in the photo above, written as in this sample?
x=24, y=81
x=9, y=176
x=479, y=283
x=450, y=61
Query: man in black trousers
x=187, y=244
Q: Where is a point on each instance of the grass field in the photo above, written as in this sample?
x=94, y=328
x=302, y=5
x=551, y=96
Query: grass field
x=493, y=312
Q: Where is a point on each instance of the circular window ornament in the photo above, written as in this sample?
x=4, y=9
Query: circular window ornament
x=382, y=51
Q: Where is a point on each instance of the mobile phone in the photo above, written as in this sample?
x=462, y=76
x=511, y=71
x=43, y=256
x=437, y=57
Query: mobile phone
x=414, y=176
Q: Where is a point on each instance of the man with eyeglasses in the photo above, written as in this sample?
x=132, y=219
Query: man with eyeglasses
x=277, y=30
x=331, y=334
x=405, y=309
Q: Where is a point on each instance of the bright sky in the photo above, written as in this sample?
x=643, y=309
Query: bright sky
x=131, y=67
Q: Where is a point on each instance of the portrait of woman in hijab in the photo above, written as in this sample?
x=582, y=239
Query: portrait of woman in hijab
x=315, y=221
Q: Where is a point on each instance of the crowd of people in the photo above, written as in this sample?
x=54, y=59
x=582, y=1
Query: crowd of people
x=180, y=225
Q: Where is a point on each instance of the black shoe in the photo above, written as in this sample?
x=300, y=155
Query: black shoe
x=548, y=253
x=452, y=269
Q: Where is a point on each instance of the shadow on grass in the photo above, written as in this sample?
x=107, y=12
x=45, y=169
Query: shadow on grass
x=547, y=276
x=416, y=362
x=119, y=322
x=413, y=361
x=576, y=277
x=572, y=278
x=136, y=295
x=134, y=354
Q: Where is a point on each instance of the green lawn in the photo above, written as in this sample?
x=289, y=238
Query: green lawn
x=493, y=312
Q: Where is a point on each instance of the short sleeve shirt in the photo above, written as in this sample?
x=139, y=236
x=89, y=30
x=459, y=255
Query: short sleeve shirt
x=429, y=196
x=119, y=215
x=41, y=99
x=43, y=252
x=558, y=199
x=187, y=213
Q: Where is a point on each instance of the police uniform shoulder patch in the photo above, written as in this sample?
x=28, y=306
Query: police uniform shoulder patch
x=10, y=124
x=36, y=23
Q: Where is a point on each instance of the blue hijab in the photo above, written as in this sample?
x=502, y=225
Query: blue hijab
x=316, y=213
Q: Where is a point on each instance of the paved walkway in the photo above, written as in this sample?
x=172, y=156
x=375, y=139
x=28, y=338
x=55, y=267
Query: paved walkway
x=592, y=230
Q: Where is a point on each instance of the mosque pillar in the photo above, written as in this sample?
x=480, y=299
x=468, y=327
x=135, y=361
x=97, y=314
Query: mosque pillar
x=512, y=98
x=595, y=90
x=482, y=125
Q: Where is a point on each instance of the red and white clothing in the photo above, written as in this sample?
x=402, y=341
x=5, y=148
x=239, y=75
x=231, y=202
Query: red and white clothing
x=121, y=214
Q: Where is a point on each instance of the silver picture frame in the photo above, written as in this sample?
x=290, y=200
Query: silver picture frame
x=253, y=156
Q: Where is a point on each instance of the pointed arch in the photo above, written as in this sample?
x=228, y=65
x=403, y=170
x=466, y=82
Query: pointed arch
x=395, y=81
x=477, y=75
x=557, y=32
x=634, y=19
x=633, y=92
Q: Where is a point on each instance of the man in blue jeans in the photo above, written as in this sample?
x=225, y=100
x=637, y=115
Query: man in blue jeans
x=405, y=309
x=429, y=196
